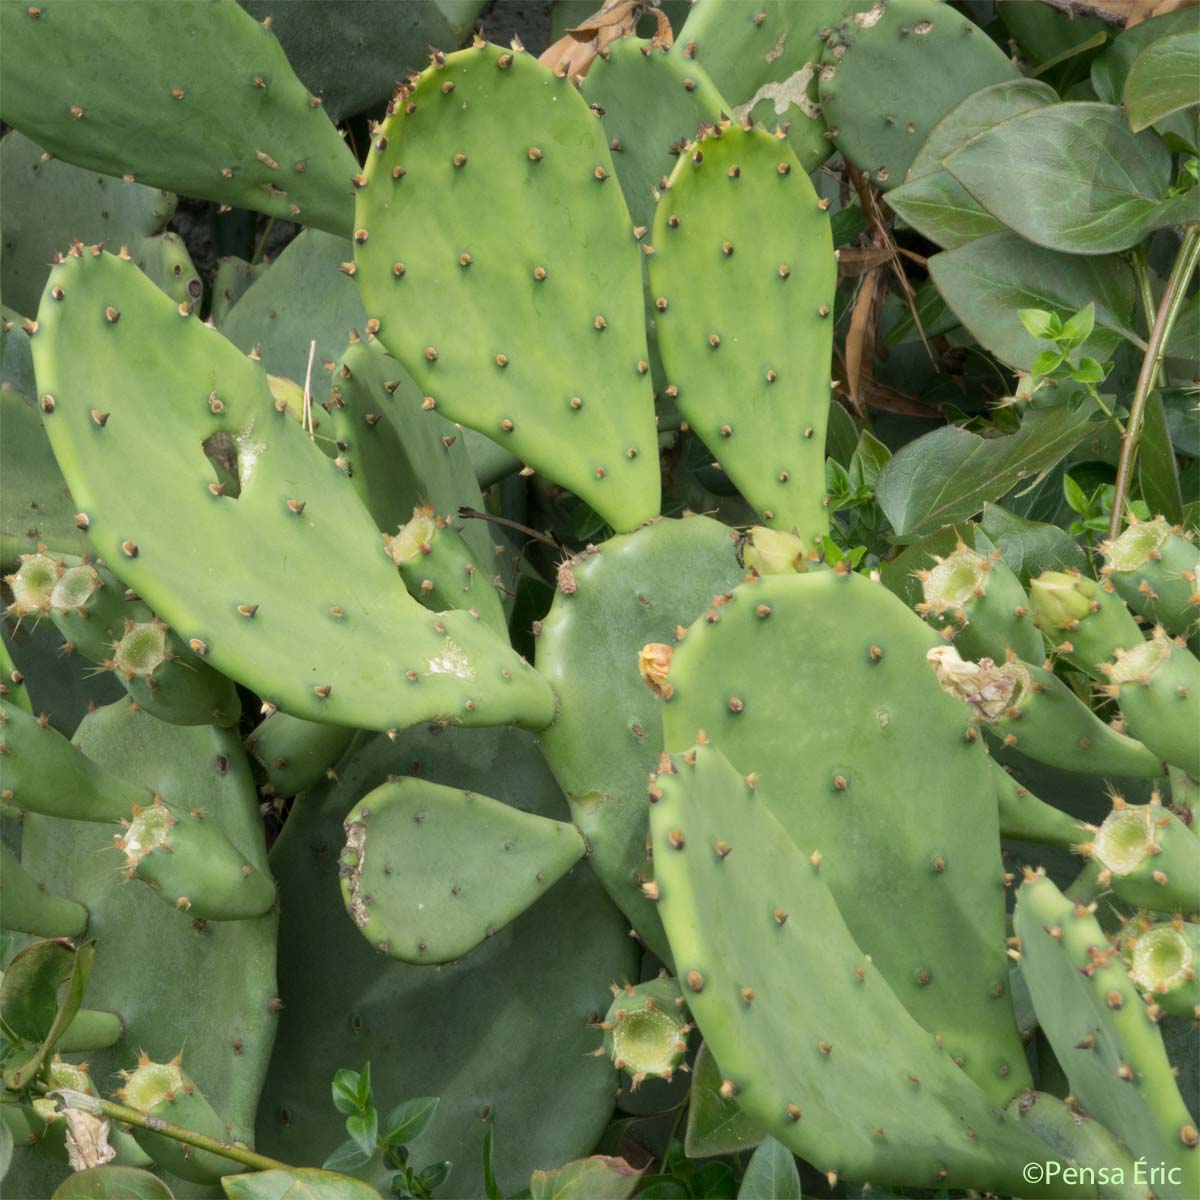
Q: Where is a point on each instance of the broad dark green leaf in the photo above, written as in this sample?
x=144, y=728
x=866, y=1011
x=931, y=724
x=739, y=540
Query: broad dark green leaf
x=715, y=1125
x=1028, y=547
x=1072, y=177
x=1183, y=420
x=931, y=200
x=771, y=1175
x=948, y=475
x=1158, y=472
x=296, y=1183
x=595, y=1178
x=988, y=281
x=112, y=1183
x=1163, y=79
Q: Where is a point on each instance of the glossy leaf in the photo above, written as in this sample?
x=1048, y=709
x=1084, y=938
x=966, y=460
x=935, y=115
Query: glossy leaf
x=406, y=1122
x=296, y=1183
x=771, y=1175
x=1163, y=79
x=112, y=1183
x=715, y=1125
x=949, y=474
x=1072, y=177
x=597, y=1178
x=1028, y=547
x=989, y=281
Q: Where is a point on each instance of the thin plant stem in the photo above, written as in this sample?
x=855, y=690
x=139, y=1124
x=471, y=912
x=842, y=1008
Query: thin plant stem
x=262, y=241
x=1164, y=321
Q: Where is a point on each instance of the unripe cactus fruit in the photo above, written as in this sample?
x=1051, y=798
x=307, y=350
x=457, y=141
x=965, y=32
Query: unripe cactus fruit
x=773, y=552
x=645, y=1030
x=1088, y=621
x=1162, y=962
x=1147, y=855
x=978, y=602
x=33, y=584
x=1154, y=568
x=163, y=1090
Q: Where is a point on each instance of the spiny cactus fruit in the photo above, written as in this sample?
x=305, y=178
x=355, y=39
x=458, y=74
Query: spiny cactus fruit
x=782, y=993
x=1101, y=1032
x=428, y=872
x=1086, y=622
x=191, y=864
x=646, y=1030
x=889, y=74
x=351, y=647
x=873, y=771
x=546, y=354
x=1032, y=709
x=164, y=1091
x=1154, y=568
x=978, y=602
x=1147, y=856
x=244, y=129
x=439, y=570
x=742, y=279
x=27, y=905
x=1163, y=961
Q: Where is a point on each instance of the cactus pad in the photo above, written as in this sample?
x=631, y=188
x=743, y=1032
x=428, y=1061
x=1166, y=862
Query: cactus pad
x=546, y=351
x=1154, y=568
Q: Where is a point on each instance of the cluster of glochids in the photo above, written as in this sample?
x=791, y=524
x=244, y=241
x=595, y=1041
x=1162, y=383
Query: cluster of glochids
x=646, y=1030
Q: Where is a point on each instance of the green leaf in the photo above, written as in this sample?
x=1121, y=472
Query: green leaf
x=6, y=1149
x=490, y=1187
x=1028, y=547
x=715, y=1125
x=44, y=977
x=1088, y=371
x=296, y=1183
x=870, y=457
x=347, y=1157
x=931, y=311
x=1079, y=328
x=364, y=1128
x=345, y=1091
x=1046, y=362
x=948, y=475
x=1074, y=494
x=1071, y=177
x=364, y=1086
x=406, y=1122
x=595, y=1178
x=434, y=1175
x=1158, y=472
x=714, y=1181
x=1040, y=323
x=112, y=1183
x=771, y=1175
x=1163, y=79
x=988, y=282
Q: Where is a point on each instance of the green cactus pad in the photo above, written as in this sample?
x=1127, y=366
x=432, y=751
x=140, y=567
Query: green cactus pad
x=978, y=602
x=1032, y=709
x=1102, y=1035
x=897, y=69
x=646, y=1029
x=151, y=957
x=546, y=352
x=765, y=58
x=783, y=996
x=428, y=872
x=1024, y=817
x=166, y=260
x=293, y=754
x=1164, y=962
x=243, y=129
x=46, y=203
x=1154, y=569
x=607, y=737
x=1156, y=683
x=1086, y=622
x=27, y=905
x=164, y=1091
x=1148, y=856
x=231, y=282
x=742, y=278
x=346, y=646
x=652, y=100
x=502, y=1037
x=873, y=765
x=38, y=509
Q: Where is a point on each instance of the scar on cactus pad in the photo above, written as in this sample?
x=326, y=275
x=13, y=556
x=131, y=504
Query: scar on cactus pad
x=645, y=1030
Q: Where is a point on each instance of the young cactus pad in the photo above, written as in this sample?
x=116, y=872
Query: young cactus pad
x=646, y=1029
x=545, y=352
x=741, y=280
x=783, y=996
x=872, y=764
x=283, y=586
x=1102, y=1034
x=428, y=872
x=243, y=129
